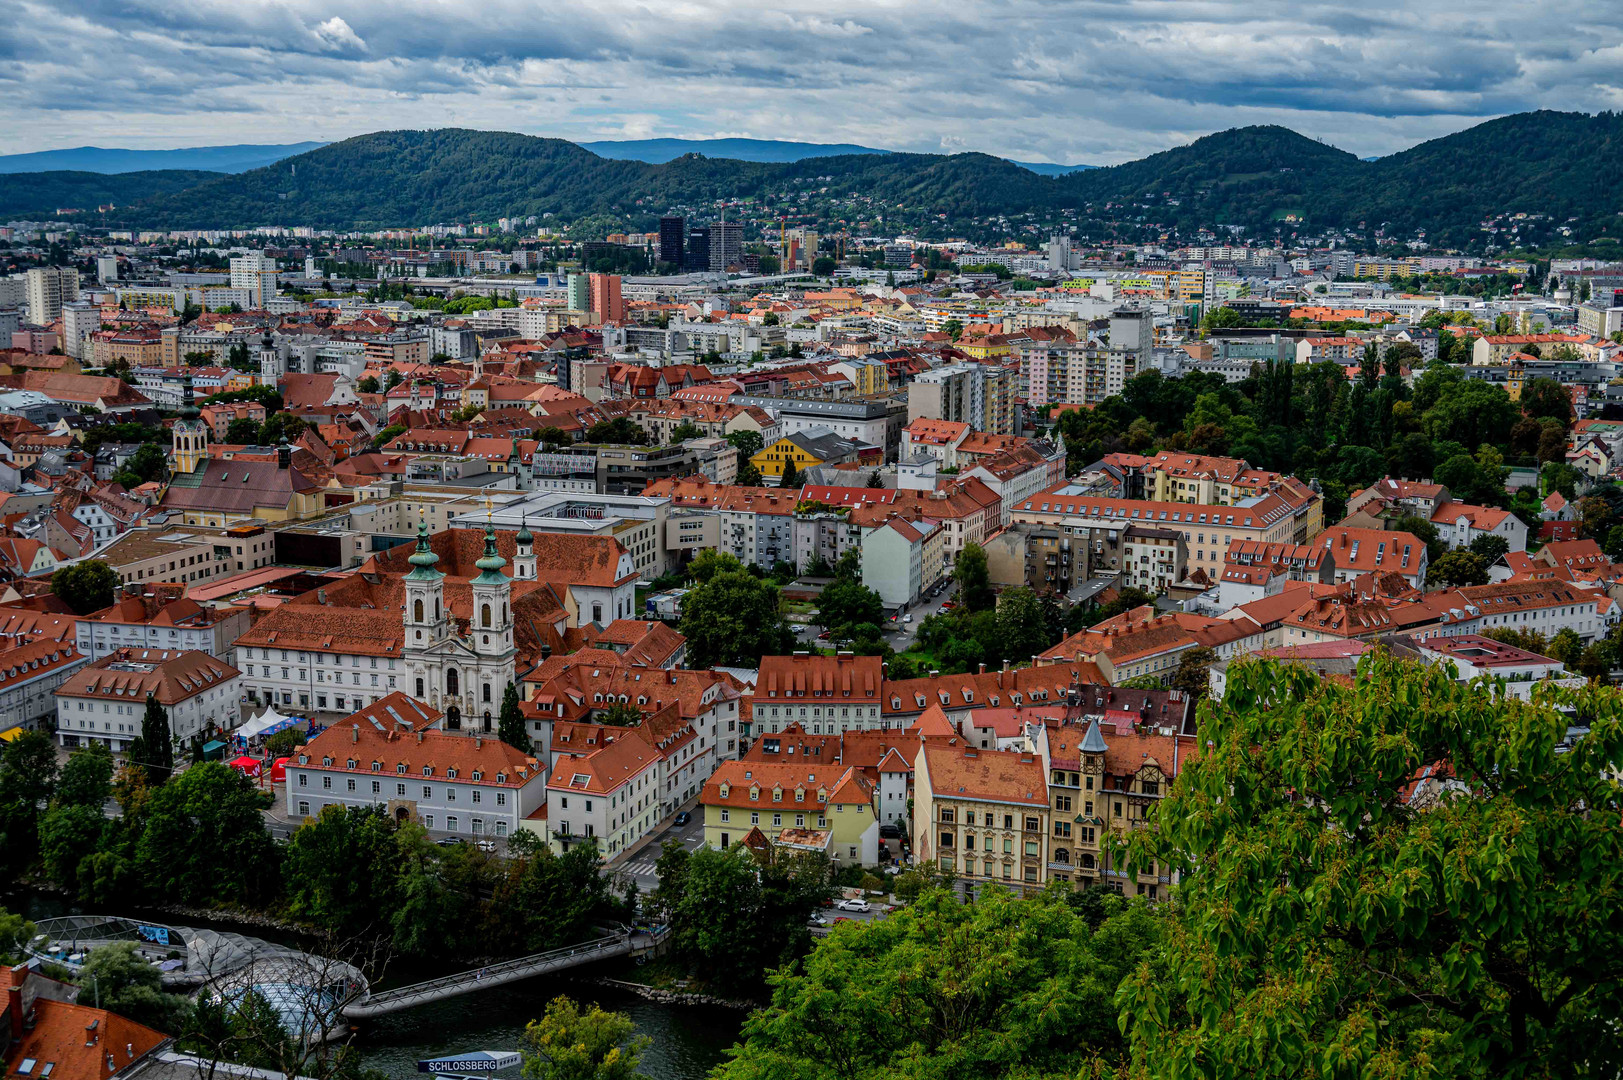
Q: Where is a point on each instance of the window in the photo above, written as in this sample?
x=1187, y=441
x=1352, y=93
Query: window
x=428, y=792
x=304, y=809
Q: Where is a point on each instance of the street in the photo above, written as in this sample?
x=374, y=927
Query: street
x=639, y=864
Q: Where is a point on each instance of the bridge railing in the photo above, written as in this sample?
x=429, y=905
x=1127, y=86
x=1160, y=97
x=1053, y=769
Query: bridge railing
x=474, y=978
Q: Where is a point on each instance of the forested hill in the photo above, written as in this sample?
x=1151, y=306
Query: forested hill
x=1561, y=165
x=42, y=194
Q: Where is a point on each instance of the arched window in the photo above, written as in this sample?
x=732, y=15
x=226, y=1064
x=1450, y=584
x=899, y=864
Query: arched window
x=419, y=688
x=504, y=613
x=436, y=609
x=451, y=681
x=417, y=610
x=487, y=693
x=484, y=614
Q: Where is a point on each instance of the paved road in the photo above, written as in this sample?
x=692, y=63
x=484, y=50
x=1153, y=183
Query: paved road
x=639, y=866
x=902, y=634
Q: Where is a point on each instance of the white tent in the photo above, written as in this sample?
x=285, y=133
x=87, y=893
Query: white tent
x=268, y=722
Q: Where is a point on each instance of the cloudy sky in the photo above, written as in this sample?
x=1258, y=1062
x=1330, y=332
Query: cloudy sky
x=1055, y=80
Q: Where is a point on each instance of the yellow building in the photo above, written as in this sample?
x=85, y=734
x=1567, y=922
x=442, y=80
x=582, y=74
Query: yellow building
x=804, y=451
x=981, y=814
x=809, y=806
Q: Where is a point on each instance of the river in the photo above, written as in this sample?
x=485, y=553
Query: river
x=689, y=1040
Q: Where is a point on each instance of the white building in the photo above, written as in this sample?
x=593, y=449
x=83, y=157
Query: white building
x=29, y=675
x=104, y=701
x=382, y=756
x=609, y=797
x=49, y=287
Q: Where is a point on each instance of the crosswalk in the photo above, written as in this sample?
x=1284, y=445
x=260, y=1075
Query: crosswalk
x=641, y=864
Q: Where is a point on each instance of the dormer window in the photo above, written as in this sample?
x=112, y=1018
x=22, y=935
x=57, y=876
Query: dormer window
x=326, y=762
x=428, y=770
x=450, y=774
x=724, y=790
x=401, y=768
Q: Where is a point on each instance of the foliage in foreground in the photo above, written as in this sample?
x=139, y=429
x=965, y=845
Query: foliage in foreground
x=1337, y=920
x=945, y=990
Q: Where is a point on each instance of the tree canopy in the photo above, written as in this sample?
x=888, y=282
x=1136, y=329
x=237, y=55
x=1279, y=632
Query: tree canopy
x=1406, y=877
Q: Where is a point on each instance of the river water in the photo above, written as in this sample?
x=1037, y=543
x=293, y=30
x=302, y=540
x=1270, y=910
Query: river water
x=689, y=1040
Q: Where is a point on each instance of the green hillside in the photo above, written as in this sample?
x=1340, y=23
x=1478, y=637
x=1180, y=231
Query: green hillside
x=41, y=194
x=1564, y=166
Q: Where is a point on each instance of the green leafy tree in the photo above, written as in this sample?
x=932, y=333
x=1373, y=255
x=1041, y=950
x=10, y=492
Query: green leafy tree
x=1566, y=647
x=85, y=586
x=27, y=778
x=242, y=431
x=737, y=918
x=157, y=743
x=368, y=384
x=790, y=478
x=1559, y=476
x=1192, y=673
x=204, y=839
x=621, y=430
x=1458, y=568
x=342, y=870
x=710, y=562
x=511, y=728
x=824, y=266
x=1022, y=631
x=687, y=429
x=845, y=603
x=953, y=328
x=15, y=932
x=125, y=983
x=569, y=1043
x=1489, y=548
x=1545, y=397
x=733, y=618
x=943, y=989
x=973, y=578
x=1404, y=877
x=619, y=714
x=87, y=777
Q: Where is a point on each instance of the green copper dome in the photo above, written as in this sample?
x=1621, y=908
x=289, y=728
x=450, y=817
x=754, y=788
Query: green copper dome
x=423, y=559
x=490, y=563
x=524, y=536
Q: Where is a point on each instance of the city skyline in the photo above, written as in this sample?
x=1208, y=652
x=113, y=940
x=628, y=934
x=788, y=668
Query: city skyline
x=1094, y=83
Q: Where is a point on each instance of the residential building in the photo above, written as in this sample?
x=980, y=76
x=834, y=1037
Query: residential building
x=50, y=287
x=805, y=450
x=160, y=618
x=31, y=671
x=386, y=756
x=824, y=694
x=608, y=797
x=799, y=805
x=1375, y=551
x=982, y=815
x=104, y=701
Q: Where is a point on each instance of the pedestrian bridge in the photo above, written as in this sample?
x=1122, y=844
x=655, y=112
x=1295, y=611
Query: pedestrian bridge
x=507, y=971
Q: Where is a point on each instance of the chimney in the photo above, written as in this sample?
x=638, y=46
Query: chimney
x=478, y=742
x=419, y=737
x=321, y=596
x=354, y=733
x=983, y=667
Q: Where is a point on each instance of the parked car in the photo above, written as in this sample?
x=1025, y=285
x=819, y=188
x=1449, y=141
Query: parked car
x=890, y=831
x=908, y=617
x=683, y=818
x=858, y=904
x=817, y=920
x=487, y=845
x=450, y=841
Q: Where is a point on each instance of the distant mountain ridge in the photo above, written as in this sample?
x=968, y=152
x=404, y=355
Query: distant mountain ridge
x=96, y=159
x=41, y=195
x=1557, y=171
x=236, y=159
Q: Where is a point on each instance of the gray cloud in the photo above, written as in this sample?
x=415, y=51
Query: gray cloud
x=1072, y=80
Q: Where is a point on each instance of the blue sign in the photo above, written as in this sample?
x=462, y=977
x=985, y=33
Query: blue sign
x=471, y=1062
x=158, y=935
